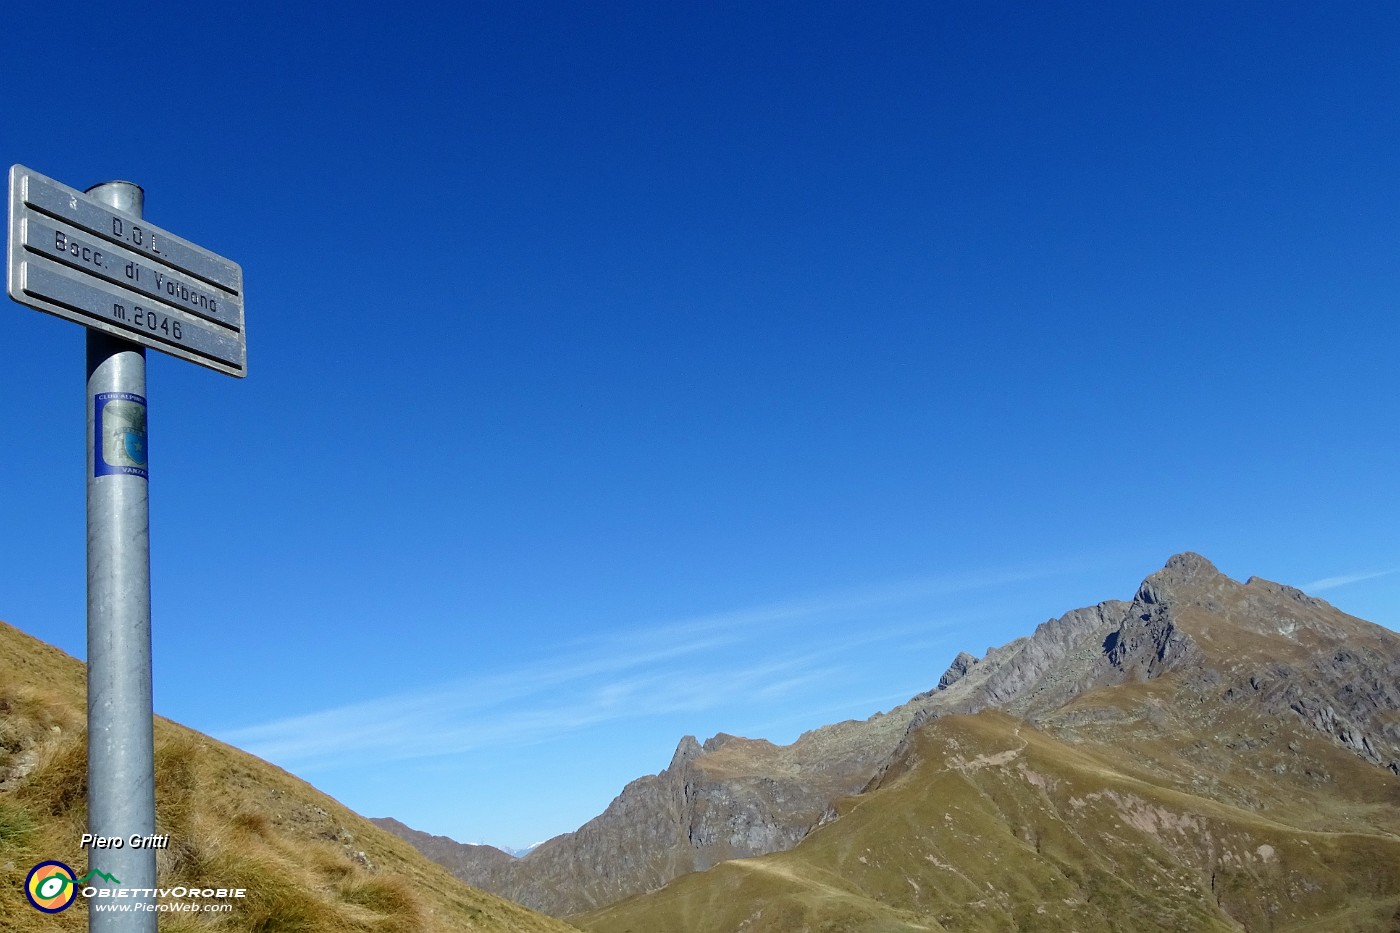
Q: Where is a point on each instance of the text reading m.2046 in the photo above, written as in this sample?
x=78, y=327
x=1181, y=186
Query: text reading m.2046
x=153, y=321
x=70, y=294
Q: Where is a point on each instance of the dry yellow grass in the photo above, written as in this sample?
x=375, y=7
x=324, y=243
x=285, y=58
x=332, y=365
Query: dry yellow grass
x=308, y=864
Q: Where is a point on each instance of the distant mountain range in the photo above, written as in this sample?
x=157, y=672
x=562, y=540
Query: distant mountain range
x=1209, y=755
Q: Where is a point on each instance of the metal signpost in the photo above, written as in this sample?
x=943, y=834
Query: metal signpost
x=91, y=258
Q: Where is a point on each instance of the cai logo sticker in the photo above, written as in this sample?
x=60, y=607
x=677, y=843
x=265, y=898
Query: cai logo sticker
x=119, y=446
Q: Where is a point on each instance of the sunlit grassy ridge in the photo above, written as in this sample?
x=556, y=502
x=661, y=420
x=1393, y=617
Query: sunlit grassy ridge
x=308, y=863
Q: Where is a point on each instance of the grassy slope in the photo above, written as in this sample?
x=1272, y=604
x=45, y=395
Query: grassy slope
x=308, y=863
x=989, y=824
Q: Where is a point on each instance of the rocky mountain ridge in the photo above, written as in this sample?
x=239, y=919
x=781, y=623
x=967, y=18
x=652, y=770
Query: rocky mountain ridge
x=1265, y=645
x=1214, y=756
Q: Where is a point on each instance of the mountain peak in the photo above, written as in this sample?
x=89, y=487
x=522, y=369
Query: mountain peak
x=1189, y=565
x=1187, y=570
x=686, y=750
x=717, y=741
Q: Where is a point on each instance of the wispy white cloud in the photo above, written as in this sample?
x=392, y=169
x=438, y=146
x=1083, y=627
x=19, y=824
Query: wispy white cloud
x=687, y=665
x=1332, y=583
x=465, y=718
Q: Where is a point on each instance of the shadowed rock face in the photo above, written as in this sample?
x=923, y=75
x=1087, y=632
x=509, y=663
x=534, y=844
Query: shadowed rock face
x=1260, y=645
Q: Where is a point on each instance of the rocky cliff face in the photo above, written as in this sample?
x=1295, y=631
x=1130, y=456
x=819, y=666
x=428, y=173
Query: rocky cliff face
x=1262, y=645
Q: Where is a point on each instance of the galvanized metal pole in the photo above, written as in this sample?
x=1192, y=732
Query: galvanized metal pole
x=121, y=742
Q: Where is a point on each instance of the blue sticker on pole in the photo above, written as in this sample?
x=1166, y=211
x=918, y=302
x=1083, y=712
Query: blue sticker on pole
x=119, y=444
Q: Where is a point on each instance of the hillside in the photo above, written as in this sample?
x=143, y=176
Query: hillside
x=307, y=862
x=1211, y=756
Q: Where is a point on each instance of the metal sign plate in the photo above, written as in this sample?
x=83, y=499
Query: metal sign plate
x=81, y=260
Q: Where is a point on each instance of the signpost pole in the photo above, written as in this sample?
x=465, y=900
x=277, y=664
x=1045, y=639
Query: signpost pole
x=121, y=743
x=90, y=257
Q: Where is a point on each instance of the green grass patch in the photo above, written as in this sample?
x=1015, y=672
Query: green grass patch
x=17, y=825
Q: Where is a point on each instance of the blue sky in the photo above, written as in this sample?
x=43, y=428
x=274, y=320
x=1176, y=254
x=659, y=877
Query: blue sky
x=623, y=371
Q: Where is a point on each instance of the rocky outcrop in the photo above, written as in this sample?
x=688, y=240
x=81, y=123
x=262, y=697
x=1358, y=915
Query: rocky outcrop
x=1061, y=658
x=956, y=671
